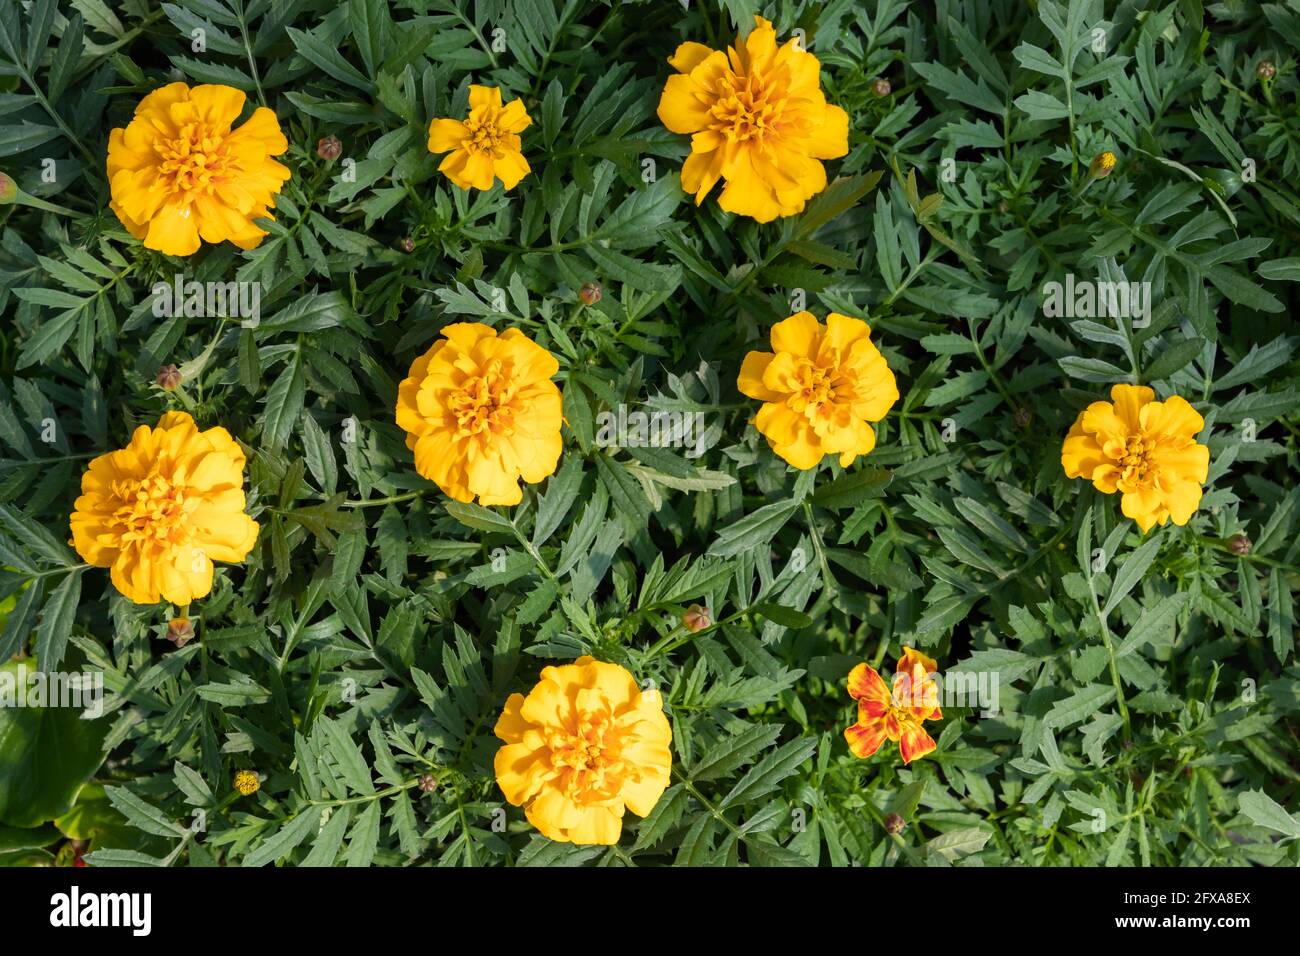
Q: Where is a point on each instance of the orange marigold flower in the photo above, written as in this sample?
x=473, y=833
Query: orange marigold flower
x=1144, y=449
x=757, y=120
x=897, y=714
x=481, y=412
x=179, y=173
x=821, y=386
x=159, y=511
x=585, y=744
x=485, y=146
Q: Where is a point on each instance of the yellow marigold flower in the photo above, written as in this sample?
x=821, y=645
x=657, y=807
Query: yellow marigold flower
x=820, y=388
x=179, y=173
x=159, y=511
x=246, y=782
x=481, y=412
x=896, y=715
x=485, y=146
x=1144, y=449
x=584, y=744
x=757, y=119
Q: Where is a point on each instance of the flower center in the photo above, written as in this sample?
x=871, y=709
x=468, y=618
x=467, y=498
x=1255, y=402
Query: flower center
x=747, y=109
x=586, y=756
x=152, y=510
x=816, y=387
x=485, y=136
x=1136, y=460
x=195, y=161
x=483, y=403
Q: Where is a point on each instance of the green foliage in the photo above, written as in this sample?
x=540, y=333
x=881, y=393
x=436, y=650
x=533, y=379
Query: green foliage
x=1148, y=685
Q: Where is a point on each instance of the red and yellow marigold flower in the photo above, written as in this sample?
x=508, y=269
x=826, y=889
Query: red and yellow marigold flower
x=485, y=146
x=757, y=120
x=1144, y=449
x=821, y=386
x=583, y=746
x=179, y=173
x=481, y=413
x=158, y=512
x=895, y=714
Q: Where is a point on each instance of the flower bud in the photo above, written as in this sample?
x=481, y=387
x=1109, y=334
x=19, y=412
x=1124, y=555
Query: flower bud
x=1239, y=544
x=406, y=244
x=696, y=618
x=881, y=87
x=590, y=293
x=428, y=783
x=1266, y=70
x=329, y=147
x=168, y=378
x=246, y=782
x=8, y=189
x=180, y=631
x=895, y=824
x=1102, y=165
x=1023, y=417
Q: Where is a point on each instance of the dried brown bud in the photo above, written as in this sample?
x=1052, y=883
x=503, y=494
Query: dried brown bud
x=1023, y=417
x=168, y=378
x=406, y=244
x=696, y=618
x=895, y=824
x=590, y=293
x=329, y=147
x=1239, y=544
x=428, y=783
x=1266, y=70
x=180, y=631
x=881, y=88
x=1004, y=207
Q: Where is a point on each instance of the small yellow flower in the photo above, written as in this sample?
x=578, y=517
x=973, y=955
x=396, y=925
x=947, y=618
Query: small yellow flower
x=757, y=120
x=583, y=746
x=1144, y=449
x=481, y=412
x=159, y=511
x=246, y=782
x=821, y=386
x=896, y=714
x=179, y=173
x=485, y=146
x=1102, y=165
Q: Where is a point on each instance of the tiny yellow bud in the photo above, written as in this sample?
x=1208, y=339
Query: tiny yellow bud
x=246, y=782
x=1102, y=165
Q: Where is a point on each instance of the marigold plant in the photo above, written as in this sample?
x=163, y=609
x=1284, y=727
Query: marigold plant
x=182, y=172
x=758, y=121
x=583, y=746
x=821, y=387
x=160, y=511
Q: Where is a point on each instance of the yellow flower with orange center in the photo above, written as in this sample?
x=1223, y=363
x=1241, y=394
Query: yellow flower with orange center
x=757, y=120
x=481, y=412
x=583, y=746
x=896, y=714
x=821, y=386
x=159, y=511
x=179, y=172
x=485, y=146
x=1144, y=449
